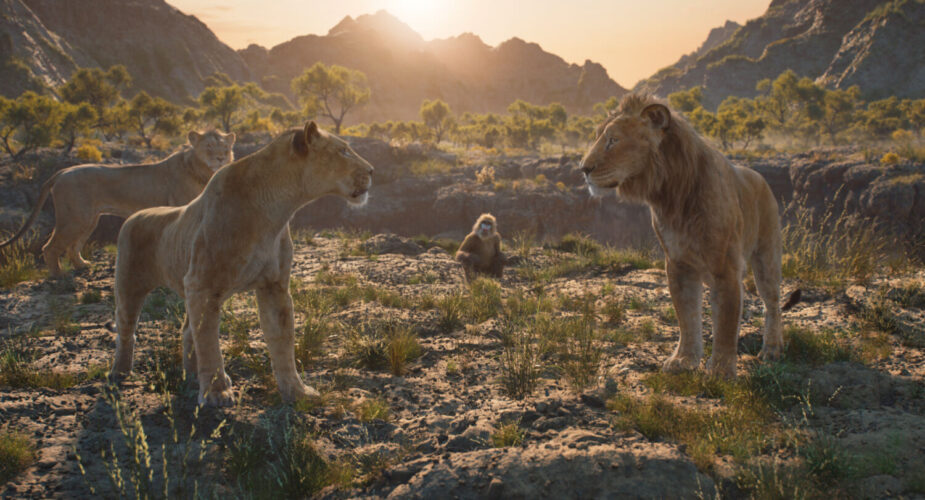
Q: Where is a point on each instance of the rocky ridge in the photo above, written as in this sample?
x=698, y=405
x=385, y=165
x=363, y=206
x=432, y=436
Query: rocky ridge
x=839, y=43
x=403, y=69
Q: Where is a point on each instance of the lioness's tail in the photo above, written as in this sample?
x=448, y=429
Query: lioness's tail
x=792, y=299
x=46, y=189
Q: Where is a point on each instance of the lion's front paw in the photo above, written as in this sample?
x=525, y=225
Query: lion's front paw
x=217, y=394
x=217, y=399
x=678, y=363
x=296, y=392
x=117, y=376
x=119, y=371
x=724, y=367
x=769, y=353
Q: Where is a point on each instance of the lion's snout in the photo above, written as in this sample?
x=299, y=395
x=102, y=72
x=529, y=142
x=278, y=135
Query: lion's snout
x=587, y=168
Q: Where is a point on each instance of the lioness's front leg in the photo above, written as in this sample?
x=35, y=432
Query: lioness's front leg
x=203, y=308
x=276, y=320
x=189, y=349
x=686, y=287
x=727, y=310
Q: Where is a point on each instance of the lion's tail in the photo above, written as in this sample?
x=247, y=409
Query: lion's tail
x=792, y=300
x=46, y=190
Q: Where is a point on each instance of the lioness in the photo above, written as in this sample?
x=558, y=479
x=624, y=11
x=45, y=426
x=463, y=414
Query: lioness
x=84, y=192
x=711, y=217
x=233, y=237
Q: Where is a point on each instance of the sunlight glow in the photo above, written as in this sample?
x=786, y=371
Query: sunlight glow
x=420, y=15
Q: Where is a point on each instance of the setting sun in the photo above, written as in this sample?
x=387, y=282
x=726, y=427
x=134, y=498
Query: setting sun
x=420, y=15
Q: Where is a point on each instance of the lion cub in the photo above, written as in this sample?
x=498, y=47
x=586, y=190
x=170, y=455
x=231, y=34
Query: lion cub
x=234, y=237
x=84, y=192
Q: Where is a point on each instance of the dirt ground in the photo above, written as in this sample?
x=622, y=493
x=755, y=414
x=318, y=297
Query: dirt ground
x=439, y=438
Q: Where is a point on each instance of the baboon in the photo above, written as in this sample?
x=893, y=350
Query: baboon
x=480, y=252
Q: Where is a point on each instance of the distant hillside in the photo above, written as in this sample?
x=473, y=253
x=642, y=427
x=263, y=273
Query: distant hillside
x=403, y=69
x=874, y=44
x=167, y=52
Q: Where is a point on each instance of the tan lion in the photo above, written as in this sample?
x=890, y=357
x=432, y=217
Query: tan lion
x=84, y=192
x=712, y=218
x=232, y=238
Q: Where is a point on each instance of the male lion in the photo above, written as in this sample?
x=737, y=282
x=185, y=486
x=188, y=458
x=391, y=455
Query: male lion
x=711, y=217
x=84, y=192
x=233, y=237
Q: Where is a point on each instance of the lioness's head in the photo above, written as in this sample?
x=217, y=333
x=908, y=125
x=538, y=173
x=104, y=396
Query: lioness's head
x=626, y=151
x=212, y=148
x=331, y=164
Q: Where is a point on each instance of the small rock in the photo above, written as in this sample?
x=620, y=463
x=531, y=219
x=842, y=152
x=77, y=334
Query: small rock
x=592, y=401
x=495, y=489
x=461, y=443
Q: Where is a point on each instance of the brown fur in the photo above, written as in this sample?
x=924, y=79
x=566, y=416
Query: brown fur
x=84, y=192
x=712, y=219
x=232, y=238
x=481, y=252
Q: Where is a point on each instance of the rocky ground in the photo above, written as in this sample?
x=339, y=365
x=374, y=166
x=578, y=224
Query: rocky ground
x=842, y=415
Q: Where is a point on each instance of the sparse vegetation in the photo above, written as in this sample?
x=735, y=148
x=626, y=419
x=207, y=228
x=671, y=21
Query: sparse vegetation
x=16, y=453
x=17, y=264
x=509, y=434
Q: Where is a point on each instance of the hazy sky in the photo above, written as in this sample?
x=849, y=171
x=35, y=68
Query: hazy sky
x=631, y=38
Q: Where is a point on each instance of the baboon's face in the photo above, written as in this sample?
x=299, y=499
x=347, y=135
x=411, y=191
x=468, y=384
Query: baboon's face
x=486, y=229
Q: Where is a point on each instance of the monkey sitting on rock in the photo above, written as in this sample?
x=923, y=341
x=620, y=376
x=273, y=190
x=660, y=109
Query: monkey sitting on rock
x=480, y=252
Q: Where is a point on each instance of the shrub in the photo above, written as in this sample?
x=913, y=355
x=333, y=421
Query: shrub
x=486, y=175
x=889, y=159
x=89, y=153
x=16, y=453
x=373, y=409
x=509, y=434
x=402, y=346
x=520, y=360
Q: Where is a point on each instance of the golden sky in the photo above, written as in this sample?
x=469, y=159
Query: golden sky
x=631, y=38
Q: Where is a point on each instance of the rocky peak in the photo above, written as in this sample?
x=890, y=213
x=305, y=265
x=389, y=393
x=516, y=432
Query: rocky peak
x=167, y=52
x=815, y=38
x=382, y=24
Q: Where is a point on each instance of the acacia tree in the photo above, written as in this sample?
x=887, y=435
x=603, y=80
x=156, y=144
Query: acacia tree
x=438, y=117
x=28, y=122
x=76, y=120
x=100, y=89
x=331, y=91
x=149, y=115
x=222, y=103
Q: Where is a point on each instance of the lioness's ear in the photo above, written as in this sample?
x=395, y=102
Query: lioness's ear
x=193, y=137
x=229, y=138
x=311, y=131
x=657, y=115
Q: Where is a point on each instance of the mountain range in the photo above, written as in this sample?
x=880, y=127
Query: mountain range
x=874, y=44
x=877, y=45
x=171, y=54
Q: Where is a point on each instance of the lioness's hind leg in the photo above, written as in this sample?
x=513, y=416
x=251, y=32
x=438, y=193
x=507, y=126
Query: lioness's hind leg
x=80, y=236
x=129, y=301
x=686, y=289
x=51, y=252
x=276, y=320
x=766, y=268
